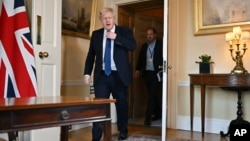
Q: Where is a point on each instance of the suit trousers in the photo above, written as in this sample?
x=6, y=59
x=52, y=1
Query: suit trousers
x=153, y=88
x=105, y=86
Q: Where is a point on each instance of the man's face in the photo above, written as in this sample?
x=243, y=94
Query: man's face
x=108, y=20
x=151, y=36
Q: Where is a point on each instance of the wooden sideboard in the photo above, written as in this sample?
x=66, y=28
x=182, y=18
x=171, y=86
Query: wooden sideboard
x=17, y=114
x=237, y=82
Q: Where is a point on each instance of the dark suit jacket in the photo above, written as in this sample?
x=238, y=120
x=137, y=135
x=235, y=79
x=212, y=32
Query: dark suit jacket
x=157, y=59
x=123, y=43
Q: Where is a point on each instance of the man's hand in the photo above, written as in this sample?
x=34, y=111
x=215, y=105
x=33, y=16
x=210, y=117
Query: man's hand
x=137, y=74
x=87, y=79
x=111, y=35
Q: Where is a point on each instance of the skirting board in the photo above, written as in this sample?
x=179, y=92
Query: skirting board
x=211, y=125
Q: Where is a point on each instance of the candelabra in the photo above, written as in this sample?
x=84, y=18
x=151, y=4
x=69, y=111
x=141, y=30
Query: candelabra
x=238, y=39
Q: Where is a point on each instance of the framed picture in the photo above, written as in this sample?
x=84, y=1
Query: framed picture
x=220, y=16
x=78, y=17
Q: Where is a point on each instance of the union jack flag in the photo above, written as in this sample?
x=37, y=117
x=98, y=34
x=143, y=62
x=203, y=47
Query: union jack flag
x=17, y=61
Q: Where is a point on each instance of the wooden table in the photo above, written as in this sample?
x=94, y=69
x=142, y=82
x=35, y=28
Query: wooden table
x=237, y=81
x=18, y=114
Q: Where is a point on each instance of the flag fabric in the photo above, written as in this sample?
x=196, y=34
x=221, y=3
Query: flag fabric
x=17, y=61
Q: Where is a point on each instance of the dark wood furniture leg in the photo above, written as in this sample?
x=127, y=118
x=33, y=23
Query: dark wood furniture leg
x=64, y=133
x=12, y=136
x=191, y=105
x=203, y=100
x=107, y=131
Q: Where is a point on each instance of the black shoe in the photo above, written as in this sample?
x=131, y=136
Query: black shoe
x=147, y=123
x=123, y=136
x=156, y=118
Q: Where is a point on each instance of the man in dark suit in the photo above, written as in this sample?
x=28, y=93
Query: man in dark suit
x=112, y=73
x=150, y=64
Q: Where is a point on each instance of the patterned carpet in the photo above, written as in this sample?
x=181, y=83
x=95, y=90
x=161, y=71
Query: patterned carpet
x=141, y=137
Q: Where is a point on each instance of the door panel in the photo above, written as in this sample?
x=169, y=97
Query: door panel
x=126, y=19
x=139, y=89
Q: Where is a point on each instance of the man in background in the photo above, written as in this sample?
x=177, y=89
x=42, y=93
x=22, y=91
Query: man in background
x=150, y=66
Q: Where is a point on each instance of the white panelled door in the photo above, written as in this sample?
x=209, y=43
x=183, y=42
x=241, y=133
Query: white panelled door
x=46, y=31
x=46, y=35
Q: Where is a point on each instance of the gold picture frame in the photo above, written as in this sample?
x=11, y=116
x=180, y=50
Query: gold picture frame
x=78, y=18
x=215, y=16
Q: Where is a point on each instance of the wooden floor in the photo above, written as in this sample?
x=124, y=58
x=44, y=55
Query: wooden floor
x=84, y=134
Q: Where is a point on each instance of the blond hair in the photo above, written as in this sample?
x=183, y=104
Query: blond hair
x=104, y=10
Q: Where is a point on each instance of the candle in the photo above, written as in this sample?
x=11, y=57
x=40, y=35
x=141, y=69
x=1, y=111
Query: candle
x=229, y=36
x=237, y=30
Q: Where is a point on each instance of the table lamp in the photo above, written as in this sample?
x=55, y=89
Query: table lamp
x=237, y=38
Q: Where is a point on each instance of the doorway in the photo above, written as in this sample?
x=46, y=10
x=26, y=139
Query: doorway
x=138, y=17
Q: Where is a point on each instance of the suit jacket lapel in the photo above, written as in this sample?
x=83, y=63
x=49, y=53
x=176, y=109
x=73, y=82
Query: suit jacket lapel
x=117, y=31
x=100, y=37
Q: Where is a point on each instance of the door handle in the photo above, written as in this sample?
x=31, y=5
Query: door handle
x=169, y=67
x=43, y=54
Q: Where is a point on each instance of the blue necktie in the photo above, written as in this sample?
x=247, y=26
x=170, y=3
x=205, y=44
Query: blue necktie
x=107, y=57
